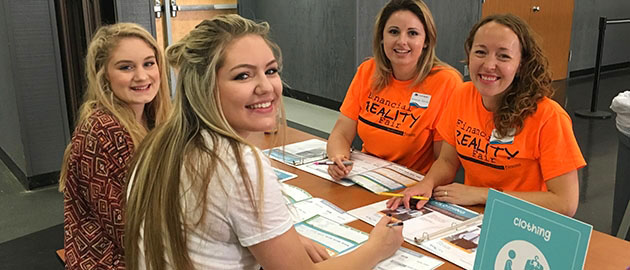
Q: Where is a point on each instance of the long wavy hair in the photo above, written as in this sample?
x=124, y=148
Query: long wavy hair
x=179, y=146
x=531, y=83
x=428, y=59
x=99, y=95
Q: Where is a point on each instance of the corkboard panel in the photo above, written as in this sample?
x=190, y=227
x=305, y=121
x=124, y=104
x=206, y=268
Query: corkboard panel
x=187, y=20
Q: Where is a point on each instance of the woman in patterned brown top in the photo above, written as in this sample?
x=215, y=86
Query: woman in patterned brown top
x=127, y=95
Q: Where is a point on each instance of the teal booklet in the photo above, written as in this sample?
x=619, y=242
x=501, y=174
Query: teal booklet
x=519, y=235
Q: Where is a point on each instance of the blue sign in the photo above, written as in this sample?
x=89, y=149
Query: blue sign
x=519, y=235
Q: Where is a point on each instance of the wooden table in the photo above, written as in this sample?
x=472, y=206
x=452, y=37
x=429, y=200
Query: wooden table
x=604, y=251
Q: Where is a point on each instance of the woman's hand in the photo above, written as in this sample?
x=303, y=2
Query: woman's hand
x=423, y=188
x=461, y=194
x=385, y=240
x=339, y=170
x=316, y=251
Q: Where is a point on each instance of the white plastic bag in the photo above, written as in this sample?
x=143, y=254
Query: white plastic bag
x=621, y=105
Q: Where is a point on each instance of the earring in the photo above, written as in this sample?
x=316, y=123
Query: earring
x=425, y=46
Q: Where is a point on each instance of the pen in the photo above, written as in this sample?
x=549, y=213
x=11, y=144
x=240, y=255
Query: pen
x=401, y=195
x=345, y=162
x=394, y=224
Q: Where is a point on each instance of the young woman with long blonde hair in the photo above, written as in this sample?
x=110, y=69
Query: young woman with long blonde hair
x=126, y=96
x=201, y=196
x=396, y=98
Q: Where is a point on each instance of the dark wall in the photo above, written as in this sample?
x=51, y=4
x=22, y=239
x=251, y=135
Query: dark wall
x=585, y=32
x=40, y=123
x=137, y=11
x=10, y=136
x=366, y=18
x=324, y=41
x=317, y=40
x=453, y=19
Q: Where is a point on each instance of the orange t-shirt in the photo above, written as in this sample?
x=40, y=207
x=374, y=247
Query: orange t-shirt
x=398, y=123
x=544, y=149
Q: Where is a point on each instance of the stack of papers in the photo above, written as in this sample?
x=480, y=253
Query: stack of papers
x=303, y=206
x=372, y=173
x=446, y=230
x=324, y=223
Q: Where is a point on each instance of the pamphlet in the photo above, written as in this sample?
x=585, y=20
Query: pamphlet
x=283, y=175
x=372, y=173
x=339, y=239
x=303, y=206
x=446, y=230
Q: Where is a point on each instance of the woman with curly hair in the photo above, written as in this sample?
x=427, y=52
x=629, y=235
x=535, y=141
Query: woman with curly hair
x=503, y=128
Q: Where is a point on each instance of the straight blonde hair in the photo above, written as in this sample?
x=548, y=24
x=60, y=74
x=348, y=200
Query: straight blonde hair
x=154, y=198
x=428, y=59
x=99, y=95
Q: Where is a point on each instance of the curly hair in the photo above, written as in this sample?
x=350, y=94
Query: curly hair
x=531, y=83
x=428, y=59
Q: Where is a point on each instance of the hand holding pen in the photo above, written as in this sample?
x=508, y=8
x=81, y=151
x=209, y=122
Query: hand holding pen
x=339, y=166
x=421, y=192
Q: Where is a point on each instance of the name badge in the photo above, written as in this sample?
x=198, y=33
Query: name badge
x=420, y=100
x=505, y=140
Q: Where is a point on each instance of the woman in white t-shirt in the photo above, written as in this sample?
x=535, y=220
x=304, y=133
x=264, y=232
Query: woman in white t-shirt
x=201, y=196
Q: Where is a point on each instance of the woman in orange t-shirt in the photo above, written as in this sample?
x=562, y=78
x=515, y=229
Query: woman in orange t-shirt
x=396, y=98
x=503, y=128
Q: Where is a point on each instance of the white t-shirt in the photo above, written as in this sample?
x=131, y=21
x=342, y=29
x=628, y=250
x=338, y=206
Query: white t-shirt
x=230, y=221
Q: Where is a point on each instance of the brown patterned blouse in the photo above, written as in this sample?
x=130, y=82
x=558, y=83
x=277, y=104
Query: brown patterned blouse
x=94, y=197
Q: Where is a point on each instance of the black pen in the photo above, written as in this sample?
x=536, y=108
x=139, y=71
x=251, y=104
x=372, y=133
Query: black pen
x=345, y=162
x=394, y=224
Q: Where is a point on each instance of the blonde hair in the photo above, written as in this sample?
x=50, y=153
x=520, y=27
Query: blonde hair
x=99, y=95
x=531, y=83
x=154, y=198
x=428, y=59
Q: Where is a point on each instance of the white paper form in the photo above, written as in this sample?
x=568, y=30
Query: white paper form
x=459, y=247
x=381, y=175
x=292, y=194
x=361, y=163
x=337, y=238
x=406, y=259
x=303, y=206
x=296, y=154
x=283, y=175
x=372, y=173
x=309, y=208
x=302, y=155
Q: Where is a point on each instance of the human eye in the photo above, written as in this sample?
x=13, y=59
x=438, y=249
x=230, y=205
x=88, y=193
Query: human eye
x=271, y=71
x=149, y=63
x=505, y=57
x=393, y=31
x=125, y=67
x=479, y=52
x=241, y=76
x=413, y=33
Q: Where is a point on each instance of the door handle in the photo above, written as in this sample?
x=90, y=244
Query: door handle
x=157, y=8
x=536, y=8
